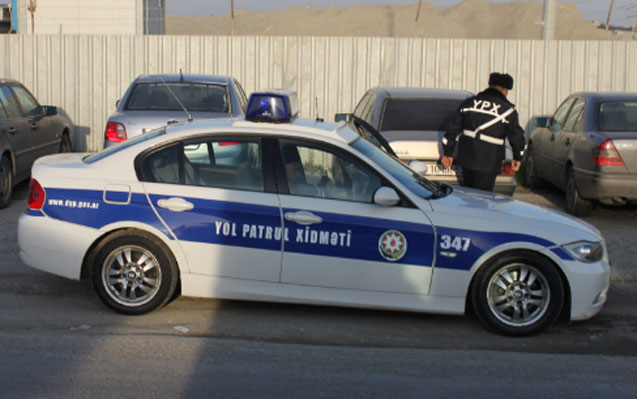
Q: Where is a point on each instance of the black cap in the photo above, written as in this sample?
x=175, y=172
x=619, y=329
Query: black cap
x=503, y=80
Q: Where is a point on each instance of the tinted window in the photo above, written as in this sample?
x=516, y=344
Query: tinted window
x=418, y=114
x=243, y=100
x=618, y=116
x=210, y=163
x=362, y=105
x=10, y=103
x=319, y=172
x=29, y=105
x=163, y=97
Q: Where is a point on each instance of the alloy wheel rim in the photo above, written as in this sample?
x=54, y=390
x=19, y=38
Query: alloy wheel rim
x=131, y=275
x=518, y=295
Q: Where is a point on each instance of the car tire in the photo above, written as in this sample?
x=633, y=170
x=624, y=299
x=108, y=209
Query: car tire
x=519, y=293
x=65, y=144
x=574, y=203
x=531, y=179
x=6, y=182
x=134, y=273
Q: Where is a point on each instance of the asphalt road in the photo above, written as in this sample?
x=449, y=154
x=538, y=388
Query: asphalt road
x=58, y=340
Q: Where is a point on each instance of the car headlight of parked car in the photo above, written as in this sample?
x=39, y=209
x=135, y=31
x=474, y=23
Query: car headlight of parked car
x=585, y=251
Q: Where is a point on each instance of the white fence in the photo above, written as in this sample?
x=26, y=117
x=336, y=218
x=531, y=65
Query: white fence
x=86, y=75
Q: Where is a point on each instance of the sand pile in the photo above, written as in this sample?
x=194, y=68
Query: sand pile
x=479, y=19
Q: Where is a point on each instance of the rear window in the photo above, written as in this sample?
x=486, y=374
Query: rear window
x=618, y=116
x=200, y=97
x=418, y=114
x=123, y=145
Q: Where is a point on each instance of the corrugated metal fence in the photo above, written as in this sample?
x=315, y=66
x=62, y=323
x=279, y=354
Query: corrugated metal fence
x=86, y=75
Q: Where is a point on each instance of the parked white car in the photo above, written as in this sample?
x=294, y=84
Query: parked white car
x=280, y=209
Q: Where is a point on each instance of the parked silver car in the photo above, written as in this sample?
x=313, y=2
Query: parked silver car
x=588, y=148
x=413, y=122
x=152, y=101
x=28, y=131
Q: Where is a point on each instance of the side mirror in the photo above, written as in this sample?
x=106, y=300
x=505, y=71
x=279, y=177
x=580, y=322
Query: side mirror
x=49, y=110
x=418, y=167
x=386, y=196
x=342, y=117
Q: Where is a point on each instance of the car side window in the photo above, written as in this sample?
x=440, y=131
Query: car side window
x=30, y=106
x=574, y=116
x=317, y=171
x=10, y=103
x=559, y=118
x=3, y=112
x=243, y=99
x=363, y=108
x=209, y=162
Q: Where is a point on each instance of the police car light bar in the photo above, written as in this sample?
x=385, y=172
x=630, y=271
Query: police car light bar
x=273, y=106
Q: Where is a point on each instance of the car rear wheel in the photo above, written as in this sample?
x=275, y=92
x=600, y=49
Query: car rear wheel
x=517, y=294
x=574, y=203
x=65, y=144
x=6, y=182
x=530, y=175
x=134, y=273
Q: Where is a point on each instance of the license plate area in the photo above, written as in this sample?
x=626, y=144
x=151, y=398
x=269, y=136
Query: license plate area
x=436, y=169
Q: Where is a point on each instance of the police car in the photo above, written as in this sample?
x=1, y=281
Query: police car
x=277, y=208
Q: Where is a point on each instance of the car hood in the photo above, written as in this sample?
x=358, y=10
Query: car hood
x=490, y=211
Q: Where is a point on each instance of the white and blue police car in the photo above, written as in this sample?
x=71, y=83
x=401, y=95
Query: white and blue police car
x=278, y=208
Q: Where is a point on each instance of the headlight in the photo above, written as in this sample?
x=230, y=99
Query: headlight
x=585, y=251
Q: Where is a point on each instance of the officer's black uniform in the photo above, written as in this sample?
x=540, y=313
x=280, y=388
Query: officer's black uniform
x=482, y=123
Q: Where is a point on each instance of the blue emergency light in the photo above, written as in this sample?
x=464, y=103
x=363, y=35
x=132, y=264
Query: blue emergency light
x=273, y=106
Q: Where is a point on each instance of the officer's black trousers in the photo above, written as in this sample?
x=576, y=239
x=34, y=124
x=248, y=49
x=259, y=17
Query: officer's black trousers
x=476, y=179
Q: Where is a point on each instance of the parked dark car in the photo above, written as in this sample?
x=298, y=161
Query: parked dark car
x=413, y=121
x=28, y=131
x=153, y=101
x=588, y=148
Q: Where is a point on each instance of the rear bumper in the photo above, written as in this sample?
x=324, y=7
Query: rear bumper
x=53, y=246
x=607, y=185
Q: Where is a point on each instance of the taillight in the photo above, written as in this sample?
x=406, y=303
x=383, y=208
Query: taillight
x=507, y=169
x=115, y=131
x=607, y=154
x=36, y=195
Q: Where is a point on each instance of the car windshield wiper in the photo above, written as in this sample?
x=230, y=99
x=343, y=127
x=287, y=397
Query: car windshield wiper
x=435, y=188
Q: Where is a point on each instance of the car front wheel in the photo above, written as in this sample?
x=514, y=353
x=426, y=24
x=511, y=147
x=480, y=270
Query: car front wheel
x=134, y=273
x=517, y=294
x=530, y=175
x=6, y=182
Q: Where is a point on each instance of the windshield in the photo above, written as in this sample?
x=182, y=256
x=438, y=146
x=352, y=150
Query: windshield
x=412, y=180
x=123, y=145
x=618, y=116
x=418, y=114
x=194, y=96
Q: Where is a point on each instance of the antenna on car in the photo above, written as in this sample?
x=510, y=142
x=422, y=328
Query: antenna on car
x=181, y=78
x=174, y=95
x=318, y=118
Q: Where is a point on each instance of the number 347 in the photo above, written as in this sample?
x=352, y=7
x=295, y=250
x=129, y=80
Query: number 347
x=457, y=243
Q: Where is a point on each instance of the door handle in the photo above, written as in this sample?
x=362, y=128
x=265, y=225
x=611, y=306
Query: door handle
x=552, y=137
x=175, y=204
x=303, y=217
x=34, y=126
x=568, y=141
x=11, y=130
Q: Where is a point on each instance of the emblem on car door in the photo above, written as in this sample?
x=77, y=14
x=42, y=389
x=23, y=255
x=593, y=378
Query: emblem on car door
x=392, y=245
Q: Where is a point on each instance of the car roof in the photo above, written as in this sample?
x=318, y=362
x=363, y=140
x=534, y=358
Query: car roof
x=607, y=96
x=300, y=127
x=7, y=80
x=424, y=92
x=219, y=79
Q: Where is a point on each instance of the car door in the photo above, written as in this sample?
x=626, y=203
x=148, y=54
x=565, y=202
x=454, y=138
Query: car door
x=213, y=195
x=336, y=237
x=44, y=138
x=15, y=131
x=550, y=153
x=566, y=140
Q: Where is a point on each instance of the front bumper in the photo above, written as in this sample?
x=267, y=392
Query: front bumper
x=589, y=283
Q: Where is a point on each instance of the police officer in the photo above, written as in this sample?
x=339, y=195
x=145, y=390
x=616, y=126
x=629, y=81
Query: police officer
x=480, y=127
